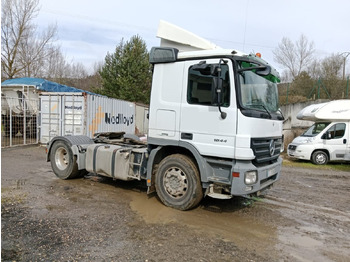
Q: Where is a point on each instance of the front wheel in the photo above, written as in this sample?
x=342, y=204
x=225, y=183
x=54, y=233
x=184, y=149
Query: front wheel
x=63, y=162
x=319, y=158
x=177, y=182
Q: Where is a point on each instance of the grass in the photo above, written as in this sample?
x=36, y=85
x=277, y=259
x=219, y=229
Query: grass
x=338, y=166
x=9, y=198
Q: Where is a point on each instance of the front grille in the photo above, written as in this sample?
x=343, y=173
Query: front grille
x=262, y=150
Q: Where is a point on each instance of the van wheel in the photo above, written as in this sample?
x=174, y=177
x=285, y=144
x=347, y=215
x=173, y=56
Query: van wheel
x=319, y=158
x=63, y=162
x=177, y=182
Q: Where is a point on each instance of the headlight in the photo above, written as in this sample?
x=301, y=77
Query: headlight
x=250, y=177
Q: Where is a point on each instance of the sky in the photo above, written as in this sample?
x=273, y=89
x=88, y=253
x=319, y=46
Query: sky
x=87, y=30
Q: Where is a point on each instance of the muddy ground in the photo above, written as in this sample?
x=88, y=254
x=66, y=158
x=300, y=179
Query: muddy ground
x=305, y=217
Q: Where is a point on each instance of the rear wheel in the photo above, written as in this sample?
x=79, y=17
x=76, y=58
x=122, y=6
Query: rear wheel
x=63, y=162
x=177, y=182
x=319, y=158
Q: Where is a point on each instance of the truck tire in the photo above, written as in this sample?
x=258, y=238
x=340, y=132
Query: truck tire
x=319, y=158
x=177, y=182
x=63, y=162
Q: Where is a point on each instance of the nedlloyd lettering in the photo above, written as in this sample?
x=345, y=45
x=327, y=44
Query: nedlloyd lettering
x=74, y=107
x=119, y=119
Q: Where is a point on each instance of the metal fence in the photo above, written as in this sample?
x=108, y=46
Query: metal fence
x=19, y=121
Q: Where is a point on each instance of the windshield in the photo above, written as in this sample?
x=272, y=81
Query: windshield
x=258, y=92
x=315, y=129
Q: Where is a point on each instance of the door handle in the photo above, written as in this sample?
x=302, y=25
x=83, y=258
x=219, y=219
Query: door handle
x=344, y=141
x=187, y=136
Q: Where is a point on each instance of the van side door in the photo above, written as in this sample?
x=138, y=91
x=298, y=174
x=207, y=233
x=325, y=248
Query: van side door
x=336, y=140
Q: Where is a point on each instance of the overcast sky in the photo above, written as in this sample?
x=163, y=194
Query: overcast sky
x=87, y=30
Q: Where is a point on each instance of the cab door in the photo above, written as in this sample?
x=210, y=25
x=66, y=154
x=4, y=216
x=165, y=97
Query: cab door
x=202, y=124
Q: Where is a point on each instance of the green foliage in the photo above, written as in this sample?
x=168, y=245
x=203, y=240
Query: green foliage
x=304, y=88
x=126, y=73
x=302, y=84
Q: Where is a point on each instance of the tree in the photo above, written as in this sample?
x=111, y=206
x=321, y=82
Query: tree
x=314, y=69
x=331, y=74
x=294, y=56
x=331, y=66
x=126, y=73
x=23, y=50
x=302, y=85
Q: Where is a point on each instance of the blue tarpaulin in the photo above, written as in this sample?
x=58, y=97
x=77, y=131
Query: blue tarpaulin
x=42, y=84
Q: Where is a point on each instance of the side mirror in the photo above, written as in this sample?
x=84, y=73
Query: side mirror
x=215, y=70
x=203, y=68
x=216, y=91
x=326, y=136
x=260, y=70
x=263, y=71
x=216, y=95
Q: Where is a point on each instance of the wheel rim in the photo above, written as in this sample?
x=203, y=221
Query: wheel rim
x=61, y=158
x=320, y=158
x=175, y=182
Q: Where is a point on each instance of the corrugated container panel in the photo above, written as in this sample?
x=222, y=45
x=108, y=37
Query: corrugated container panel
x=141, y=119
x=83, y=114
x=109, y=115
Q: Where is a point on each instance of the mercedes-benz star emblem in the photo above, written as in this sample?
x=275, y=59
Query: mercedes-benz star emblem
x=272, y=147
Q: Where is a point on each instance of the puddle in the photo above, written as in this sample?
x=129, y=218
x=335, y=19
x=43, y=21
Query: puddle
x=301, y=245
x=228, y=226
x=235, y=221
x=300, y=241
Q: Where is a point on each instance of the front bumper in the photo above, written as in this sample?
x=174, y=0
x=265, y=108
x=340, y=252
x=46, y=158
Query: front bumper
x=299, y=151
x=266, y=176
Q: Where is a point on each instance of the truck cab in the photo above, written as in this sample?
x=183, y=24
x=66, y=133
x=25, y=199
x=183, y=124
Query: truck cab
x=219, y=107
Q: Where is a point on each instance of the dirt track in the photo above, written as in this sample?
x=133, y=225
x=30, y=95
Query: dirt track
x=305, y=217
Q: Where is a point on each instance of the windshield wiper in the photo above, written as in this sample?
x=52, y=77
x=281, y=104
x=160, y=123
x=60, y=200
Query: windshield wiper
x=279, y=110
x=267, y=111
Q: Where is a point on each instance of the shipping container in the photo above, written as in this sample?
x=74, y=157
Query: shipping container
x=83, y=114
x=141, y=121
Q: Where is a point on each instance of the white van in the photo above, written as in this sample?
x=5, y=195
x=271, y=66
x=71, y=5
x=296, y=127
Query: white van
x=329, y=138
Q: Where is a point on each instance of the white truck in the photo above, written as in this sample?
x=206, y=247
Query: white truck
x=215, y=130
x=328, y=139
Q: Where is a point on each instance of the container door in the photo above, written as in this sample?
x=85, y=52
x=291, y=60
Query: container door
x=50, y=107
x=61, y=114
x=50, y=117
x=73, y=115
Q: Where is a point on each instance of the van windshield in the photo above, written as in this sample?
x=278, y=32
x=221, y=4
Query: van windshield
x=315, y=129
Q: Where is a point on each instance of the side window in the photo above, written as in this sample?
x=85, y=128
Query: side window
x=337, y=131
x=199, y=87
